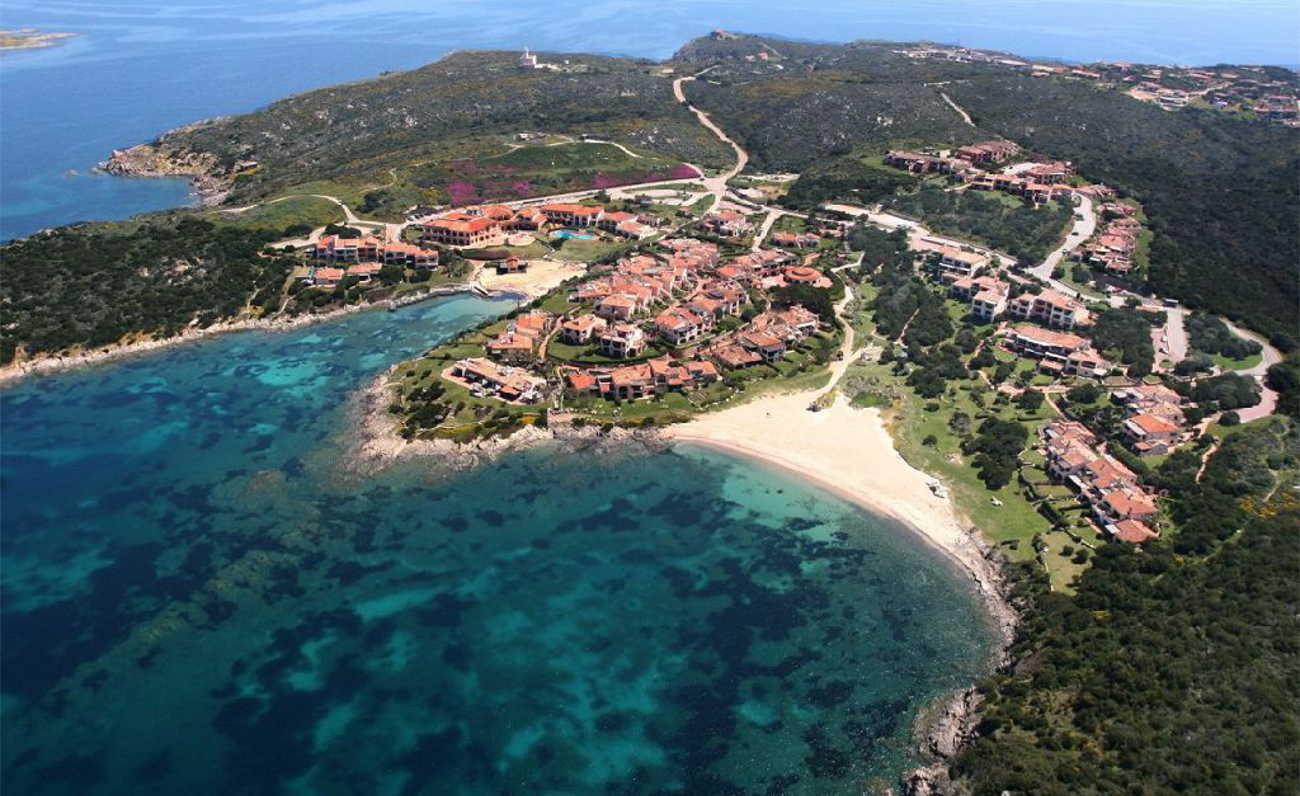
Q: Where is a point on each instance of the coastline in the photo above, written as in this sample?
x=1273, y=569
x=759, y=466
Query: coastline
x=810, y=446
x=53, y=363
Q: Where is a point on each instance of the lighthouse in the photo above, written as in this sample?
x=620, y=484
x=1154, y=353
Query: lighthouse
x=528, y=60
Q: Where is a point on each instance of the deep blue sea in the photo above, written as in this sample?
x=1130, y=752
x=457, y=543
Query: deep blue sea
x=140, y=67
x=200, y=596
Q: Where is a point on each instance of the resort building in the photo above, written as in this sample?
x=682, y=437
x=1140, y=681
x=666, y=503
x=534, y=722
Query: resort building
x=327, y=277
x=958, y=263
x=728, y=223
x=581, y=330
x=336, y=248
x=1048, y=307
x=681, y=325
x=1151, y=433
x=621, y=340
x=364, y=271
x=988, y=152
x=987, y=305
x=769, y=348
x=408, y=256
x=618, y=307
x=460, y=229
x=485, y=377
x=572, y=215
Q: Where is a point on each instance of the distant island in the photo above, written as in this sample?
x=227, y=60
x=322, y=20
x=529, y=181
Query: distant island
x=30, y=39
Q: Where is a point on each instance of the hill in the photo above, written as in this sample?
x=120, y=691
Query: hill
x=1221, y=193
x=467, y=106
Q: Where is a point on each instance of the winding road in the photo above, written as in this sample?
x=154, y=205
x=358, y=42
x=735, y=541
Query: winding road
x=716, y=185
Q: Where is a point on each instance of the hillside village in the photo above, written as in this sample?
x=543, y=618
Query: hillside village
x=1268, y=94
x=676, y=289
x=697, y=301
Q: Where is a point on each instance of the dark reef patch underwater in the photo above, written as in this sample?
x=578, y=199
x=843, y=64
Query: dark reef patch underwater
x=197, y=599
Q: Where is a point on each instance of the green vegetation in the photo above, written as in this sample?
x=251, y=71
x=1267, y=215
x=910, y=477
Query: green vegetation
x=421, y=135
x=1220, y=194
x=1124, y=336
x=94, y=284
x=286, y=214
x=539, y=170
x=1284, y=377
x=1226, y=391
x=849, y=178
x=1211, y=335
x=1162, y=655
x=1026, y=233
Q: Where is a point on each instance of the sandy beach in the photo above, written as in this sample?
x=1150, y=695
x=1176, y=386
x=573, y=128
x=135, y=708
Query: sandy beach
x=849, y=451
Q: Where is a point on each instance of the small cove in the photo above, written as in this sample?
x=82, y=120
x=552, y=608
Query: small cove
x=197, y=596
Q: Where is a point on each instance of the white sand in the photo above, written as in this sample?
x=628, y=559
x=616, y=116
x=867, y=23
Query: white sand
x=541, y=277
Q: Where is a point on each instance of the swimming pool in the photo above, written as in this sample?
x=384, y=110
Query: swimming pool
x=574, y=234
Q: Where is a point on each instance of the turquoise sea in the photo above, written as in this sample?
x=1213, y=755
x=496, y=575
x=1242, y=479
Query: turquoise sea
x=140, y=68
x=200, y=596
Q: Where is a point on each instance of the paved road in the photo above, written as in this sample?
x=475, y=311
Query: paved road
x=1083, y=227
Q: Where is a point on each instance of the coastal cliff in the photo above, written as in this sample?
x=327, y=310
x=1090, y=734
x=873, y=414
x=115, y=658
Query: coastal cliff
x=165, y=157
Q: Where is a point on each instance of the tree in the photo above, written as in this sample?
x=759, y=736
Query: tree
x=1030, y=400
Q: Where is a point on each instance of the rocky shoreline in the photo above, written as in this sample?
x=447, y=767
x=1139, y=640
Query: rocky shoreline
x=52, y=363
x=375, y=444
x=208, y=179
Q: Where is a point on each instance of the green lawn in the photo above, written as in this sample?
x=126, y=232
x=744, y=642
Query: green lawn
x=1011, y=525
x=586, y=251
x=1237, y=364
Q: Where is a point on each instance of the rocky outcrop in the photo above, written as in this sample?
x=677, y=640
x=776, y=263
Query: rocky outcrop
x=942, y=731
x=158, y=159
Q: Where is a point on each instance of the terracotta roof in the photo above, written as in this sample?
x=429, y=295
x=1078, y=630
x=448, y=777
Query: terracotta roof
x=1132, y=531
x=1150, y=424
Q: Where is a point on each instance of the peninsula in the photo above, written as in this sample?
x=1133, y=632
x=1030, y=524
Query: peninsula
x=30, y=39
x=971, y=292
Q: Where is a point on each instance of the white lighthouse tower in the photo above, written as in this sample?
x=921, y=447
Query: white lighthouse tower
x=528, y=60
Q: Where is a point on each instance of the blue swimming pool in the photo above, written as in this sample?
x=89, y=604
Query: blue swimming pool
x=572, y=233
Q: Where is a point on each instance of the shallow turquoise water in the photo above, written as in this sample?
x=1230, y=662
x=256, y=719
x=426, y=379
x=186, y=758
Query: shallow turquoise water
x=198, y=597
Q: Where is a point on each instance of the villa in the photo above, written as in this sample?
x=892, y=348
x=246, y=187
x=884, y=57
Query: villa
x=580, y=330
x=728, y=223
x=512, y=385
x=460, y=229
x=364, y=271
x=681, y=325
x=572, y=215
x=1048, y=307
x=1151, y=433
x=959, y=262
x=621, y=340
x=988, y=152
x=327, y=277
x=333, y=247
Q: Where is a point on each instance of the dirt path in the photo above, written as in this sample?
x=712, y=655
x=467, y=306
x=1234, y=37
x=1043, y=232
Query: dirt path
x=957, y=108
x=716, y=185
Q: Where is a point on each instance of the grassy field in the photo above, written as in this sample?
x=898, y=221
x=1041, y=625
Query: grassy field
x=282, y=214
x=1012, y=525
x=1227, y=363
